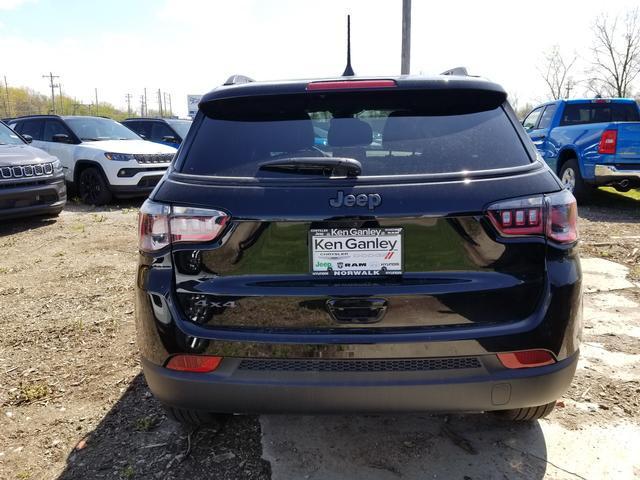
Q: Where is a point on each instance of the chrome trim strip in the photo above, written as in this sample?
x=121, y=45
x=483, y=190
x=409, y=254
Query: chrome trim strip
x=22, y=171
x=612, y=171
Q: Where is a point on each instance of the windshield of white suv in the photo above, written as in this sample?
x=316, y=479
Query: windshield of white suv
x=180, y=126
x=90, y=129
x=9, y=137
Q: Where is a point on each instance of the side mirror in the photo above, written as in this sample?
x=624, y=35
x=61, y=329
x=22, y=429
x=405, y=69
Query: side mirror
x=61, y=138
x=27, y=138
x=170, y=139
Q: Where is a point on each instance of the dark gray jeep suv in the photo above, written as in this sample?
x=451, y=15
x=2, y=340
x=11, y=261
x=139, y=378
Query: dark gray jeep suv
x=31, y=180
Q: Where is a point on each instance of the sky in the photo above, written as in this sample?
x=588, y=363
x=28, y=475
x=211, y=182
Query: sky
x=191, y=46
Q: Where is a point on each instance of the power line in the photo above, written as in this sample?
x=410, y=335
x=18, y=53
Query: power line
x=53, y=86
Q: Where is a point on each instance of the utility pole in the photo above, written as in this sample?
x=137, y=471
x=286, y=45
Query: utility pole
x=142, y=105
x=51, y=76
x=146, y=110
x=405, y=62
x=60, y=98
x=160, y=103
x=96, y=102
x=7, y=105
x=128, y=96
x=170, y=109
x=569, y=87
x=164, y=99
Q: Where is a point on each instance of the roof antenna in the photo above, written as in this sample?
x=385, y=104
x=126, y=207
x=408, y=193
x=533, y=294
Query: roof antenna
x=348, y=71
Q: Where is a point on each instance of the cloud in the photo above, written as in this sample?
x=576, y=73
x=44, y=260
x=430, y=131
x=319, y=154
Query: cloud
x=13, y=4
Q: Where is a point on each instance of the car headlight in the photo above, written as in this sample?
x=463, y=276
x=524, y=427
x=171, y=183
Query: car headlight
x=57, y=166
x=119, y=157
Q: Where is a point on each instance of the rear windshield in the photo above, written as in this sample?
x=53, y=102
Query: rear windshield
x=582, y=113
x=401, y=135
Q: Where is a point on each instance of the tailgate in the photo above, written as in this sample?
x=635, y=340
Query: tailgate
x=628, y=146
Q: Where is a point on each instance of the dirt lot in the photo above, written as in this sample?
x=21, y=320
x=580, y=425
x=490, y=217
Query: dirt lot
x=73, y=403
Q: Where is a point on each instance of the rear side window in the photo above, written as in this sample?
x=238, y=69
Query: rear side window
x=583, y=113
x=547, y=116
x=32, y=128
x=161, y=130
x=387, y=135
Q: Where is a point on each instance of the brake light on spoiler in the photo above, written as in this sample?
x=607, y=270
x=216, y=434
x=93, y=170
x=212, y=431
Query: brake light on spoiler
x=554, y=216
x=349, y=84
x=162, y=225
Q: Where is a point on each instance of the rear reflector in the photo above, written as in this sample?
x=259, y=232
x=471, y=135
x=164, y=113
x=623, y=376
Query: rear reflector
x=193, y=363
x=347, y=84
x=608, y=142
x=526, y=359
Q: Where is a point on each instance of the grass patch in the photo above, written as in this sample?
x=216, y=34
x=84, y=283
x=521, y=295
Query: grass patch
x=633, y=194
x=32, y=392
x=128, y=472
x=144, y=424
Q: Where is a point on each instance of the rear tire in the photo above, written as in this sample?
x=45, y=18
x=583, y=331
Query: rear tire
x=527, y=414
x=195, y=418
x=571, y=178
x=93, y=188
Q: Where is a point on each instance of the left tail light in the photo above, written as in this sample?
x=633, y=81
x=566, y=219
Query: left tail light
x=554, y=216
x=608, y=142
x=162, y=225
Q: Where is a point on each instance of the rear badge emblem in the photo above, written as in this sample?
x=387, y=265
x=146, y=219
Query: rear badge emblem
x=369, y=200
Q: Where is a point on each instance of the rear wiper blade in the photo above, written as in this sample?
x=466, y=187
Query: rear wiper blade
x=328, y=166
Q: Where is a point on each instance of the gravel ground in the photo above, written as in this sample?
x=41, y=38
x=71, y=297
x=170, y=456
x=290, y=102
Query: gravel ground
x=74, y=405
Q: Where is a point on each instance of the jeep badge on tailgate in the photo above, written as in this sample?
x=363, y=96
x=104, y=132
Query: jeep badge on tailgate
x=370, y=200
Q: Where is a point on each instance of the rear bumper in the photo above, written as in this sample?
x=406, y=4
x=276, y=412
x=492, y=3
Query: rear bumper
x=232, y=390
x=605, y=174
x=29, y=200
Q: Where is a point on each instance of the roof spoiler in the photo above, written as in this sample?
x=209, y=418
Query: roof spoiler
x=462, y=71
x=238, y=79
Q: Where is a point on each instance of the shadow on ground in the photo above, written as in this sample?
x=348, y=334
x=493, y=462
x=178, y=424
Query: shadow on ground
x=17, y=225
x=76, y=206
x=135, y=440
x=408, y=446
x=606, y=206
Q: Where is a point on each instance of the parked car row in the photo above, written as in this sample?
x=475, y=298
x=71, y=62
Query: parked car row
x=97, y=157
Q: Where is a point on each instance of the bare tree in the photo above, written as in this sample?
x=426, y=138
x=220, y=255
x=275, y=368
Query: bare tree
x=616, y=54
x=555, y=73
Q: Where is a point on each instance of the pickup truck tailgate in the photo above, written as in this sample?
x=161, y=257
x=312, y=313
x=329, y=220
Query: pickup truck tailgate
x=628, y=142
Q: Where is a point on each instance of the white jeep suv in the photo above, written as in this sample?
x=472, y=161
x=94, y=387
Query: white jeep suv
x=101, y=158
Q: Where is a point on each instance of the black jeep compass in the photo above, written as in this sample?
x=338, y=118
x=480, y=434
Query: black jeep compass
x=419, y=257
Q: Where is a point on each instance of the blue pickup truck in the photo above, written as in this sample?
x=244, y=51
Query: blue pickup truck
x=589, y=143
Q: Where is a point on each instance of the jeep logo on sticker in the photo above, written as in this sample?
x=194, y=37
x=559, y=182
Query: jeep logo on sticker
x=369, y=200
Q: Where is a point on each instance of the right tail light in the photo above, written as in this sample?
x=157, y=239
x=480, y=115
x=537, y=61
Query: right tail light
x=554, y=215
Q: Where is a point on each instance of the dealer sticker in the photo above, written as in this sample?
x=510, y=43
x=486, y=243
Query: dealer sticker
x=356, y=251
